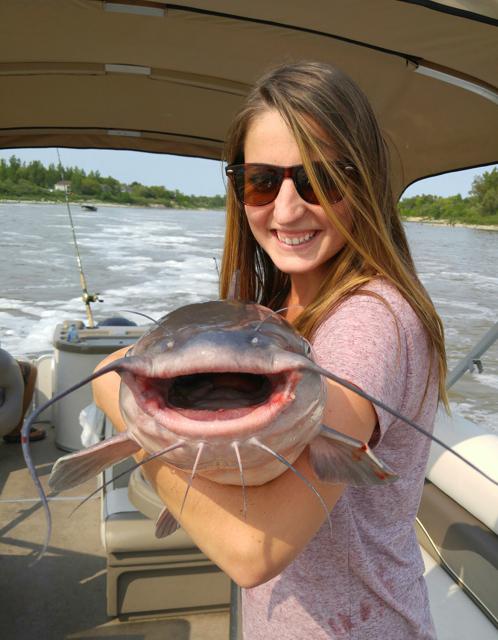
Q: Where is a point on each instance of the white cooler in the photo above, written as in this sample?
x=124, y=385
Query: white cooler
x=76, y=358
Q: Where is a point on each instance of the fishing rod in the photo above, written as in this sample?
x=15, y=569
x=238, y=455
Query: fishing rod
x=87, y=298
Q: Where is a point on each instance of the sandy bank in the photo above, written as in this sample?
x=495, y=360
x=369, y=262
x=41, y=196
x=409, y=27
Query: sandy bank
x=448, y=223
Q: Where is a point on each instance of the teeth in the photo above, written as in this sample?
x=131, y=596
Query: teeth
x=295, y=240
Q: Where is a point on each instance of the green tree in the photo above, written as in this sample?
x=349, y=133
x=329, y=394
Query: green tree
x=4, y=170
x=53, y=175
x=485, y=192
x=35, y=181
x=35, y=172
x=90, y=186
x=14, y=167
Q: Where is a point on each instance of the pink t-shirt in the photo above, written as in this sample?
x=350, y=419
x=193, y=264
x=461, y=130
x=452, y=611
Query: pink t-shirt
x=366, y=582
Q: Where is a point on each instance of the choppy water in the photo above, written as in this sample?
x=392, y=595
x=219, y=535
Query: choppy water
x=154, y=260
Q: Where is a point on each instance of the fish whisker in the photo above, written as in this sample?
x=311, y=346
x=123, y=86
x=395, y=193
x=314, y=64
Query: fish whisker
x=26, y=428
x=137, y=465
x=194, y=469
x=254, y=441
x=275, y=313
x=242, y=483
x=348, y=385
x=138, y=313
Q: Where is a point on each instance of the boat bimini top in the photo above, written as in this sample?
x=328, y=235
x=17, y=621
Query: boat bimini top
x=168, y=77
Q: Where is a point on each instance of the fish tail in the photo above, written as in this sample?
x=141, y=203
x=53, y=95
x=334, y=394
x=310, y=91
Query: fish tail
x=41, y=492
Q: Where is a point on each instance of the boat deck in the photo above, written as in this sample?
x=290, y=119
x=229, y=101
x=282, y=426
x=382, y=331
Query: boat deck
x=64, y=594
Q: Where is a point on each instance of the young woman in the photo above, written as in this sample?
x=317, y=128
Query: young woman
x=312, y=226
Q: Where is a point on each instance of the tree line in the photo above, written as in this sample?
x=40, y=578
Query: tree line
x=480, y=207
x=35, y=181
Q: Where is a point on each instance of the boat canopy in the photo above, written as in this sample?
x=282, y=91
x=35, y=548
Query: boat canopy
x=168, y=77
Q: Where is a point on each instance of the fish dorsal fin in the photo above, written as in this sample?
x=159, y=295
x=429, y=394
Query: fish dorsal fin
x=166, y=524
x=336, y=457
x=234, y=289
x=70, y=471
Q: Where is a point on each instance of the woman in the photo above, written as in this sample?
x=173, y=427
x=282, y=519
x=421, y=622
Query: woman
x=312, y=226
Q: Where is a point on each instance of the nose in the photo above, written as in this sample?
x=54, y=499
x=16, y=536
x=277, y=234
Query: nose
x=288, y=205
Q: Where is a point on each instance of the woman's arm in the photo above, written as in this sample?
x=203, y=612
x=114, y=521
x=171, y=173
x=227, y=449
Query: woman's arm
x=282, y=515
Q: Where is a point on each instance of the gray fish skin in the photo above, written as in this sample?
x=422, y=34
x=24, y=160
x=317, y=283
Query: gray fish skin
x=225, y=337
x=215, y=426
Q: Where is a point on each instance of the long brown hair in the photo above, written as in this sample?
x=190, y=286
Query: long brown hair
x=330, y=118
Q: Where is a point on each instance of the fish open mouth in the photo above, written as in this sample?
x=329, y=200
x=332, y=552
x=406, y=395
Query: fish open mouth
x=219, y=391
x=214, y=396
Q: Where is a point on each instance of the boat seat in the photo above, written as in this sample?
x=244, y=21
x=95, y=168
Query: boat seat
x=146, y=574
x=455, y=615
x=11, y=393
x=463, y=546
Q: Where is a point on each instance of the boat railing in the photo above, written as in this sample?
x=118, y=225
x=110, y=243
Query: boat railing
x=472, y=360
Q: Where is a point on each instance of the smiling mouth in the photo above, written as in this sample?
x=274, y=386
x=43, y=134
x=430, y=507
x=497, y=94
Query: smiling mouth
x=295, y=240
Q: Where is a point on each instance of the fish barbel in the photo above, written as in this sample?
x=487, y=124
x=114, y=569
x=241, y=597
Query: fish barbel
x=227, y=390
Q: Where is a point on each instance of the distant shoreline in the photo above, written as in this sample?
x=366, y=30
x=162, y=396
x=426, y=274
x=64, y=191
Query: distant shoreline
x=79, y=203
x=82, y=203
x=448, y=223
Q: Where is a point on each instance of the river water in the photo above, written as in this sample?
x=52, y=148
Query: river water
x=153, y=260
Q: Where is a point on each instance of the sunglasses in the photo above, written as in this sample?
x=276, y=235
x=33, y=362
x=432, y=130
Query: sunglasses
x=259, y=184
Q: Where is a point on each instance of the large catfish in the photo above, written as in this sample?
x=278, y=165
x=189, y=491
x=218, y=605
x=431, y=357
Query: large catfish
x=227, y=390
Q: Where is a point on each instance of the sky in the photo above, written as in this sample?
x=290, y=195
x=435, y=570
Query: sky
x=194, y=176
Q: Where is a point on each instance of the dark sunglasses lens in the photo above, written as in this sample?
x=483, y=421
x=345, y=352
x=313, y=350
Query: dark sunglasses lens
x=257, y=185
x=305, y=189
x=303, y=186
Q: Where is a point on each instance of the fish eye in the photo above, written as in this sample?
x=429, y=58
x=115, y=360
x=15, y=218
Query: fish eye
x=306, y=347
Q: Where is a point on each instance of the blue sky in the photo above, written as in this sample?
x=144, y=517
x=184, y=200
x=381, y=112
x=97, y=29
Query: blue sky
x=196, y=176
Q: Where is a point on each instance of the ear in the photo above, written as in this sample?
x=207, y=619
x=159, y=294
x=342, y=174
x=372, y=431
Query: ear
x=76, y=468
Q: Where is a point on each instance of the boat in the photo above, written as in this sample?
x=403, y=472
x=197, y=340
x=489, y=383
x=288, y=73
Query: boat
x=89, y=207
x=437, y=106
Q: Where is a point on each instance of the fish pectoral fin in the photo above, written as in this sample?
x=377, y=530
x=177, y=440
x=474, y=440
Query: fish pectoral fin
x=71, y=470
x=336, y=457
x=166, y=524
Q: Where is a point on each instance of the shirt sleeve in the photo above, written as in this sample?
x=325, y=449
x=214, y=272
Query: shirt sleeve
x=364, y=342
